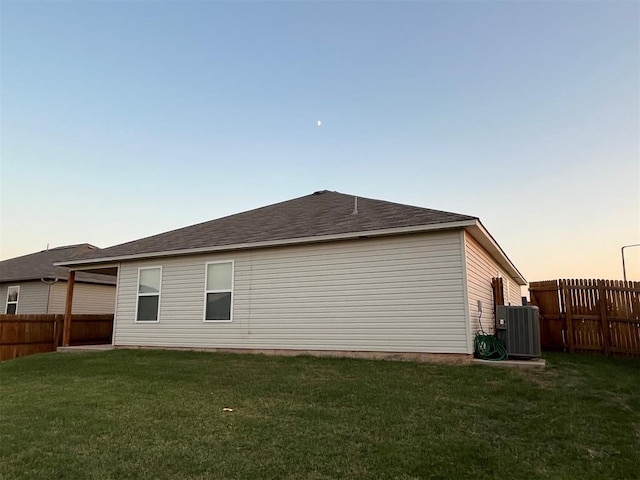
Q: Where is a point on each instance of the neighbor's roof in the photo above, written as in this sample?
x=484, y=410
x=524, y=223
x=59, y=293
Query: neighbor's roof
x=40, y=265
x=321, y=216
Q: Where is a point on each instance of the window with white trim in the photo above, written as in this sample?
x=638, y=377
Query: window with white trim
x=148, y=305
x=13, y=293
x=218, y=295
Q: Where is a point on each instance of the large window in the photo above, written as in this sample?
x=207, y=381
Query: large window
x=12, y=300
x=218, y=295
x=149, y=280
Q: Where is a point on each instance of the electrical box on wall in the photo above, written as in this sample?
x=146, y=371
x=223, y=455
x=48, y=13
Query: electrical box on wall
x=519, y=329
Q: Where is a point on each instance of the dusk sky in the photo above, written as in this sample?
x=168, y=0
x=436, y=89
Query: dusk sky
x=123, y=119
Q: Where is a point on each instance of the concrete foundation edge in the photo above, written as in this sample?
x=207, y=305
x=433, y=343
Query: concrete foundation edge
x=447, y=358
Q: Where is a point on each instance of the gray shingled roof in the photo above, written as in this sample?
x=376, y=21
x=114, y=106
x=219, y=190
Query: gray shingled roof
x=319, y=214
x=40, y=265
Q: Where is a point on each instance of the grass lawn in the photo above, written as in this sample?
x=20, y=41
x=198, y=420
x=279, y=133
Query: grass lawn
x=159, y=414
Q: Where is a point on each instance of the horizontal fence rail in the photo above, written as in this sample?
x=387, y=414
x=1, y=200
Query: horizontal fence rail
x=581, y=315
x=28, y=334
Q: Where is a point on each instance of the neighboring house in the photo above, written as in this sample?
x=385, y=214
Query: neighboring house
x=326, y=272
x=31, y=284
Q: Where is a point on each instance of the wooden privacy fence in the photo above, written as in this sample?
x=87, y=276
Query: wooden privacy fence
x=28, y=334
x=589, y=315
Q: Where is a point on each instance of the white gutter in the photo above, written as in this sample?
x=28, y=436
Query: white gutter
x=276, y=243
x=484, y=238
x=473, y=226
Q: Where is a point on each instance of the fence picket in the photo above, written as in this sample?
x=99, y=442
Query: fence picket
x=597, y=315
x=606, y=331
x=28, y=334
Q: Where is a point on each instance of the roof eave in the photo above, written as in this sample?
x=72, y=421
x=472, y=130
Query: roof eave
x=276, y=243
x=484, y=238
x=56, y=279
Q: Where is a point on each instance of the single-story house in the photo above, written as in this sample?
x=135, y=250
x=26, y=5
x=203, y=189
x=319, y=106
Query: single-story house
x=326, y=273
x=31, y=284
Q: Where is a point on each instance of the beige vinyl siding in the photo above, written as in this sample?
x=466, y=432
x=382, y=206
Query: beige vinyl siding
x=395, y=294
x=481, y=268
x=32, y=298
x=88, y=298
x=512, y=291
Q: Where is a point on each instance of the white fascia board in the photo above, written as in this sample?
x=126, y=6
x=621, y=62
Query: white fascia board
x=484, y=238
x=80, y=264
x=91, y=265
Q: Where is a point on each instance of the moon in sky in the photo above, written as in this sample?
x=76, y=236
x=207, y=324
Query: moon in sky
x=319, y=123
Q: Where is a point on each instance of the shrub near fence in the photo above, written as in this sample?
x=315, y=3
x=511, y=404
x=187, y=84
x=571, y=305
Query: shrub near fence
x=28, y=334
x=589, y=315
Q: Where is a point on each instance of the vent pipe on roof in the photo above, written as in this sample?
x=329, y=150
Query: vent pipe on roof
x=355, y=206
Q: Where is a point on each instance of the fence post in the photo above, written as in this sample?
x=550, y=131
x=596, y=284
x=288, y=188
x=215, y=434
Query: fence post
x=567, y=306
x=54, y=339
x=59, y=319
x=498, y=296
x=604, y=322
x=66, y=336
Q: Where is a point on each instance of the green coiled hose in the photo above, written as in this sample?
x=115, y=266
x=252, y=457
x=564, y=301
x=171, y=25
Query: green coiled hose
x=489, y=347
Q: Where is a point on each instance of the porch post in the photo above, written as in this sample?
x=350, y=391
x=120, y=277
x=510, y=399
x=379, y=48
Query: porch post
x=66, y=334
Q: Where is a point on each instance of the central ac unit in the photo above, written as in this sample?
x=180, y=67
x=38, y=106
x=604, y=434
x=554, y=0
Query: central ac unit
x=519, y=329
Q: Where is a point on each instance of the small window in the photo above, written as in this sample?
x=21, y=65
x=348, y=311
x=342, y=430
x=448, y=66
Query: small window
x=12, y=300
x=218, y=294
x=149, y=280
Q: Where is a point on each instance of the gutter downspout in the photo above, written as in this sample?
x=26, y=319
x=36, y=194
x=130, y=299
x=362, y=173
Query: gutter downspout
x=48, y=282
